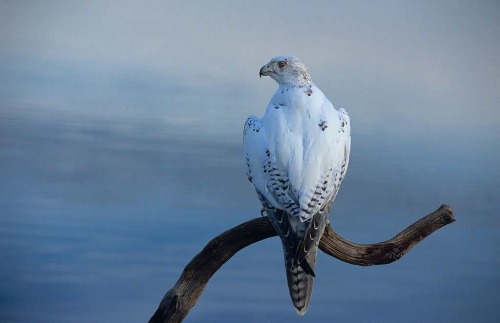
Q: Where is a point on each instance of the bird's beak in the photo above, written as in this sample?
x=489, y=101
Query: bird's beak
x=265, y=70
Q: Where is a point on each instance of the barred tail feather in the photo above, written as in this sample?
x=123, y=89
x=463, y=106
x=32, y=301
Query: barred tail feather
x=309, y=241
x=300, y=285
x=299, y=271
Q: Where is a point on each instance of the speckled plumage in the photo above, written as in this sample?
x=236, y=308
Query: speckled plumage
x=297, y=155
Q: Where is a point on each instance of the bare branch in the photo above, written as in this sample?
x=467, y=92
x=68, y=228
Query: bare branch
x=179, y=300
x=388, y=251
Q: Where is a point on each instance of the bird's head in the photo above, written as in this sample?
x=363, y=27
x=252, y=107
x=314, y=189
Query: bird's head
x=287, y=70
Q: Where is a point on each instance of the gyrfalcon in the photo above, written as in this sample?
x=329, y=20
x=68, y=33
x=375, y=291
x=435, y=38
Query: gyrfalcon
x=297, y=155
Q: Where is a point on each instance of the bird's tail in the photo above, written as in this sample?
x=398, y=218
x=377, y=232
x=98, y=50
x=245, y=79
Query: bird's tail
x=300, y=282
x=301, y=263
x=299, y=266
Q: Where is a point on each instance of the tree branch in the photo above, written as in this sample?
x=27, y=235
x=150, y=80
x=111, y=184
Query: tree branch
x=179, y=300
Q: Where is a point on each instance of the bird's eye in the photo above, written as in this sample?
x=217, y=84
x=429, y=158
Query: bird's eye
x=281, y=64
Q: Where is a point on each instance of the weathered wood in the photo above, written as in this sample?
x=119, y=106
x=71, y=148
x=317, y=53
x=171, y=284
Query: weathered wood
x=179, y=300
x=388, y=251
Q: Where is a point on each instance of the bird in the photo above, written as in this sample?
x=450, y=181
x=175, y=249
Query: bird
x=297, y=155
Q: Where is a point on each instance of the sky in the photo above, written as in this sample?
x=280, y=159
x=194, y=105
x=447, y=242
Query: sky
x=113, y=112
x=413, y=62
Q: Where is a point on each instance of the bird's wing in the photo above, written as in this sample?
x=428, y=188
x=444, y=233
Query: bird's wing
x=272, y=186
x=278, y=185
x=325, y=162
x=269, y=180
x=307, y=156
x=254, y=149
x=318, y=204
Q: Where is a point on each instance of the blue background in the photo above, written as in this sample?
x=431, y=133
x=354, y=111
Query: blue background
x=120, y=155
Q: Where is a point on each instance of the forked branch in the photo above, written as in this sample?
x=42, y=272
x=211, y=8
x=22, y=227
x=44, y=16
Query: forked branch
x=179, y=300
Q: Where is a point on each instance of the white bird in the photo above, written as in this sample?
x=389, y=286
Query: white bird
x=297, y=155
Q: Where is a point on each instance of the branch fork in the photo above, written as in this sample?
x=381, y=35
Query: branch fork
x=179, y=300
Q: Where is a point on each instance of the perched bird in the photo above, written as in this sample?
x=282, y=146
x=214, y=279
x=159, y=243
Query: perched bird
x=297, y=155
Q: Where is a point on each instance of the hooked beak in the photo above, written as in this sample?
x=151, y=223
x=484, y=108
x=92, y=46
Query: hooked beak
x=265, y=70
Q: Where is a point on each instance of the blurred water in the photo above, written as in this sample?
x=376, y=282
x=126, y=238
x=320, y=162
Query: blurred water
x=100, y=215
x=120, y=155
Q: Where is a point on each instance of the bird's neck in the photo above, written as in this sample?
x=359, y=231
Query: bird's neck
x=300, y=80
x=295, y=88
